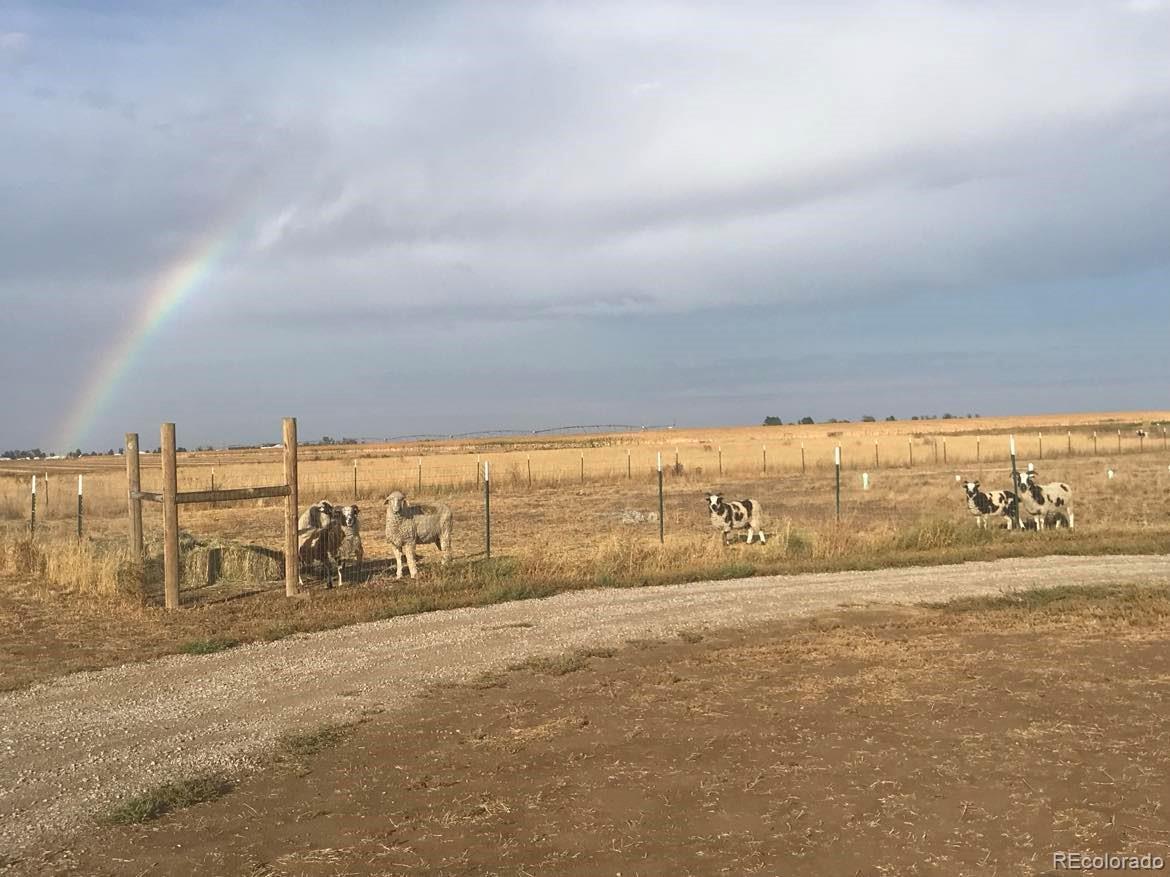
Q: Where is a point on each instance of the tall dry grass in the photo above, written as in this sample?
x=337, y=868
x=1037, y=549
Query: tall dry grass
x=79, y=566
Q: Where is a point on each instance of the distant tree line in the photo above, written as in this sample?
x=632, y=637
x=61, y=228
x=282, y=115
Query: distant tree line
x=33, y=454
x=772, y=420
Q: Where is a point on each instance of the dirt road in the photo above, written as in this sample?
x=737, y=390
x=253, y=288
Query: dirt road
x=72, y=747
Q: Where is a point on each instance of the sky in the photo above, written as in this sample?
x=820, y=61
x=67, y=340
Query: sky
x=401, y=218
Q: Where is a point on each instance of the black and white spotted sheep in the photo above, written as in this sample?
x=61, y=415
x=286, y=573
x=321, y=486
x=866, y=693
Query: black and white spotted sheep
x=1044, y=502
x=746, y=514
x=983, y=504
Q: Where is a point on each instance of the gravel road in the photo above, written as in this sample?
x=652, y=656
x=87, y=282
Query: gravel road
x=71, y=747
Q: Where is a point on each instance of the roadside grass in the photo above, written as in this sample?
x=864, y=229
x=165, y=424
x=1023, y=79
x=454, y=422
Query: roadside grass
x=563, y=664
x=1133, y=605
x=300, y=746
x=167, y=797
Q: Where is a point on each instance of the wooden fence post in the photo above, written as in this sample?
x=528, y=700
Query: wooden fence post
x=910, y=445
x=629, y=466
x=420, y=474
x=170, y=517
x=291, y=559
x=802, y=458
x=1040, y=442
x=944, y=451
x=134, y=485
x=875, y=454
x=1094, y=443
x=765, y=447
x=529, y=461
x=720, y=461
x=1070, y=442
x=582, y=467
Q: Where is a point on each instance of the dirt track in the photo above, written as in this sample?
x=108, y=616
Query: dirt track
x=72, y=747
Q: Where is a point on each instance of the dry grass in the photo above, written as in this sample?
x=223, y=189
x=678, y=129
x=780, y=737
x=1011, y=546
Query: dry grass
x=559, y=461
x=168, y=797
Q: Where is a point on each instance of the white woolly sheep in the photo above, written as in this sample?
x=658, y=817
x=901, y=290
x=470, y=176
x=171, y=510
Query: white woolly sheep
x=744, y=514
x=408, y=526
x=1044, y=501
x=983, y=504
x=319, y=536
x=350, y=553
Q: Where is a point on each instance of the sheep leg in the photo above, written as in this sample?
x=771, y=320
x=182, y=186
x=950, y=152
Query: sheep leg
x=762, y=539
x=1070, y=519
x=397, y=561
x=749, y=538
x=409, y=549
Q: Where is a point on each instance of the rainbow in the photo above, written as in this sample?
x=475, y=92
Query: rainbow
x=173, y=287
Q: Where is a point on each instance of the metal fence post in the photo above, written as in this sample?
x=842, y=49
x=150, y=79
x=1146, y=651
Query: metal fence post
x=1070, y=442
x=80, y=479
x=802, y=470
x=661, y=504
x=720, y=461
x=944, y=451
x=1040, y=442
x=355, y=492
x=1016, y=483
x=1094, y=443
x=487, y=509
x=875, y=454
x=910, y=445
x=765, y=447
x=32, y=518
x=837, y=466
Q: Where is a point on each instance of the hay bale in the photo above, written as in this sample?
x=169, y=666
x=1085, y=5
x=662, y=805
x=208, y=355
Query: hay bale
x=205, y=563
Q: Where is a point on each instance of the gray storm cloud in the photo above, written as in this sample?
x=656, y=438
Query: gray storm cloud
x=490, y=162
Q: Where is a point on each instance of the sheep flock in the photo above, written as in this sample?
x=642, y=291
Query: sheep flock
x=329, y=535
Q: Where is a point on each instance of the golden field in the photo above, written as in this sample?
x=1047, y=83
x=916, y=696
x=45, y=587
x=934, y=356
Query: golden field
x=79, y=601
x=713, y=456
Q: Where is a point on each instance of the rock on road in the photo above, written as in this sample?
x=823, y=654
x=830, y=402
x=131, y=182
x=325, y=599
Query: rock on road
x=72, y=747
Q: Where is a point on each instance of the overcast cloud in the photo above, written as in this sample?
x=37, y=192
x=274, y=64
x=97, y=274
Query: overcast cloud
x=525, y=214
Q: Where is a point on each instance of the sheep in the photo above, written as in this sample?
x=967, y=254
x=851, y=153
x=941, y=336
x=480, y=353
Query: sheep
x=1042, y=501
x=409, y=526
x=350, y=552
x=982, y=503
x=728, y=516
x=319, y=536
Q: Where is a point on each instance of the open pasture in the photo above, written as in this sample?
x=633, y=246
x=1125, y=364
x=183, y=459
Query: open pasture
x=712, y=456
